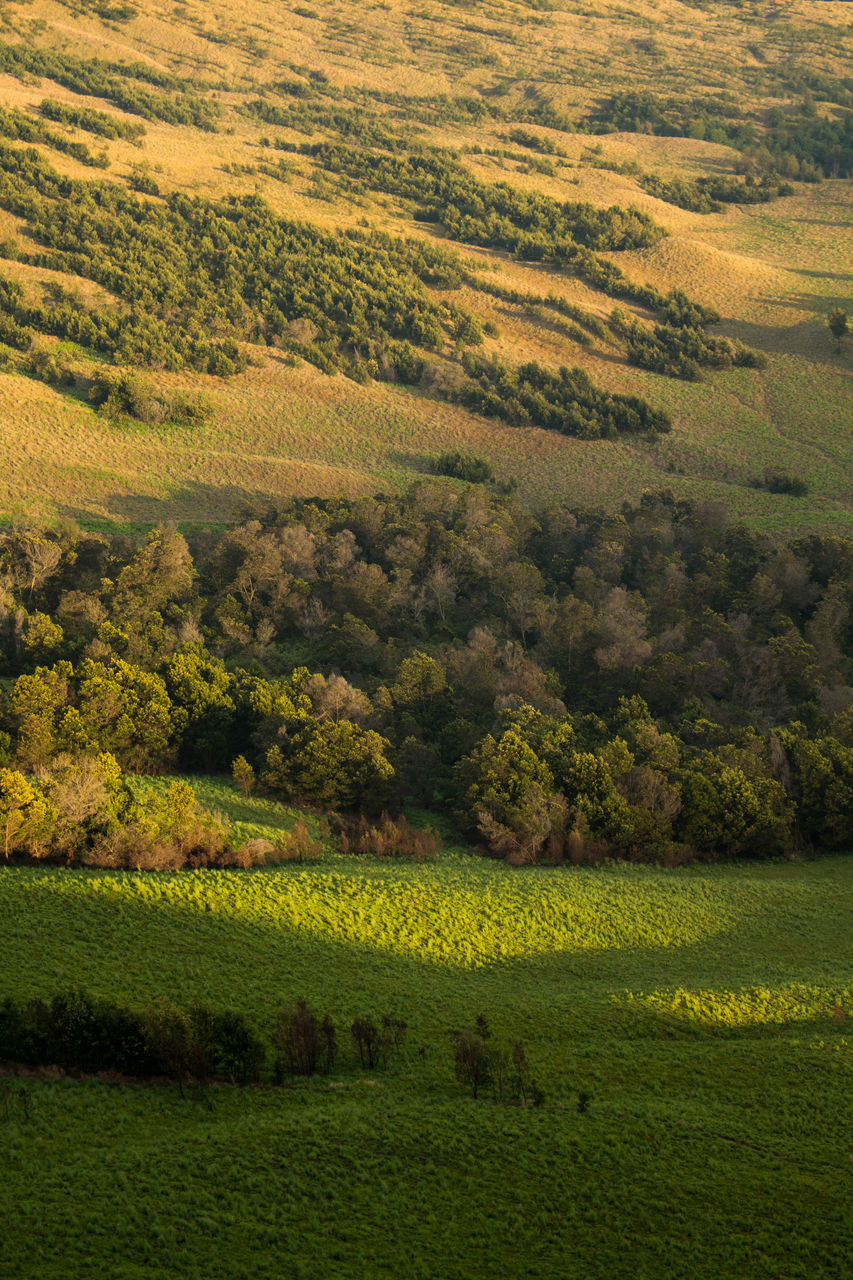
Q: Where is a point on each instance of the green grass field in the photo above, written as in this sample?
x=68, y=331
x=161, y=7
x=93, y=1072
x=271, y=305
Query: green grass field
x=694, y=1006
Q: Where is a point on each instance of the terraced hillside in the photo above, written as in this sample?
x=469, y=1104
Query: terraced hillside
x=334, y=244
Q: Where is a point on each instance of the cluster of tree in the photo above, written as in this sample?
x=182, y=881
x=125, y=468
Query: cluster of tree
x=566, y=401
x=79, y=808
x=306, y=1043
x=534, y=142
x=463, y=466
x=46, y=362
x=78, y=1033
x=457, y=652
x=644, y=111
x=91, y=121
x=681, y=351
x=796, y=142
x=790, y=77
x=117, y=393
x=782, y=482
x=110, y=12
x=569, y=235
x=479, y=1063
x=196, y=275
x=20, y=127
x=710, y=195
x=310, y=117
x=554, y=788
x=119, y=83
x=535, y=226
x=82, y=1034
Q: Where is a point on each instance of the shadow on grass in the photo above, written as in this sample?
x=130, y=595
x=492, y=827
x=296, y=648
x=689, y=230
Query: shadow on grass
x=196, y=504
x=807, y=339
x=423, y=463
x=136, y=937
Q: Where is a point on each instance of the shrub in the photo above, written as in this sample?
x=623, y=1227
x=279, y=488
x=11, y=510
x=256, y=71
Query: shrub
x=389, y=838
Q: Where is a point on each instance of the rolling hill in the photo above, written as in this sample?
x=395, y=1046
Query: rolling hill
x=341, y=240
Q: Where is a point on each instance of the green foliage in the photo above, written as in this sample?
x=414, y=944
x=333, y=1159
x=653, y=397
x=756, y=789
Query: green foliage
x=783, y=482
x=91, y=121
x=532, y=225
x=681, y=350
x=567, y=401
x=463, y=466
x=197, y=276
x=119, y=83
x=709, y=195
x=118, y=393
x=794, y=142
x=837, y=323
x=18, y=125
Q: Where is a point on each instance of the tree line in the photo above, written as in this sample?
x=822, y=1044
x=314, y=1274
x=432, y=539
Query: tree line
x=121, y=83
x=794, y=141
x=200, y=1045
x=654, y=683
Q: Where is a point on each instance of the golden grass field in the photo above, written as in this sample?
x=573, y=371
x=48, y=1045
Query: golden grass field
x=772, y=271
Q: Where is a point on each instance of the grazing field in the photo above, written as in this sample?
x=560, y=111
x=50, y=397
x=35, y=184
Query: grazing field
x=704, y=1012
x=521, y=95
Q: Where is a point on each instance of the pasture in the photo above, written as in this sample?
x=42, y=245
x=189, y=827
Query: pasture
x=704, y=1011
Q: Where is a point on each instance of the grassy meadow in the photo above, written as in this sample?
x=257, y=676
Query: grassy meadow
x=772, y=271
x=690, y=1029
x=705, y=1011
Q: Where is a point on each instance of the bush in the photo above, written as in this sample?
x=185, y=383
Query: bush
x=389, y=838
x=463, y=466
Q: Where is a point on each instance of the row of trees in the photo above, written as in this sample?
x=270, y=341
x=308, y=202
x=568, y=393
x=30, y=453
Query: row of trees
x=711, y=194
x=200, y=1045
x=79, y=1033
x=681, y=351
x=20, y=127
x=164, y=97
x=91, y=121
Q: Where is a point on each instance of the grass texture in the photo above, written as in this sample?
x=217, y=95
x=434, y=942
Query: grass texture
x=704, y=1011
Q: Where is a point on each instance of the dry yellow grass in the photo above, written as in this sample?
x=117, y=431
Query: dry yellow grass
x=772, y=271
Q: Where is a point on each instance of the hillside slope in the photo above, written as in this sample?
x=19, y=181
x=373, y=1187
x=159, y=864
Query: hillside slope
x=488, y=142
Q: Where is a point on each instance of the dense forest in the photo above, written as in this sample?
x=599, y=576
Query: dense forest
x=652, y=684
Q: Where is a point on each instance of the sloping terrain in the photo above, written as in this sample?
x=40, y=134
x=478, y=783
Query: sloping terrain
x=488, y=142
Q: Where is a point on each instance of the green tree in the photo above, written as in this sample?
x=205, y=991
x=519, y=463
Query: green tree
x=202, y=696
x=26, y=817
x=335, y=764
x=128, y=712
x=170, y=1038
x=37, y=703
x=471, y=1061
x=243, y=775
